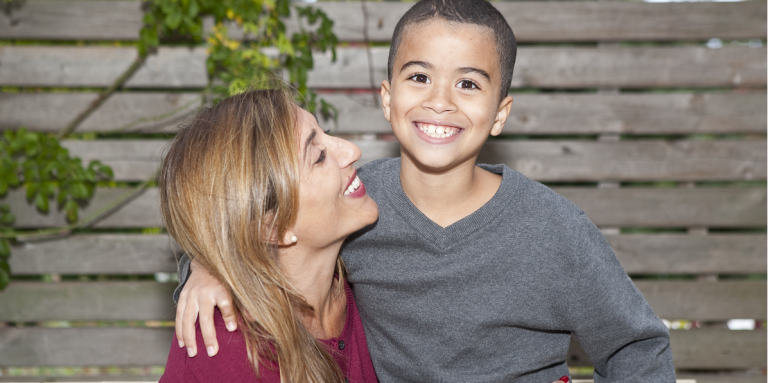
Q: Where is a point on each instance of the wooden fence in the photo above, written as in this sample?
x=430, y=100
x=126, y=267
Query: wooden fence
x=619, y=106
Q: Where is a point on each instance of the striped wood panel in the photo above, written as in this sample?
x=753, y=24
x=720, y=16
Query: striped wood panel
x=537, y=114
x=624, y=207
x=537, y=67
x=636, y=160
x=148, y=254
x=531, y=21
x=115, y=301
x=149, y=346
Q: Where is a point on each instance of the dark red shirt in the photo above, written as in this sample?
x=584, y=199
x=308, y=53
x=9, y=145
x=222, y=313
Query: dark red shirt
x=231, y=363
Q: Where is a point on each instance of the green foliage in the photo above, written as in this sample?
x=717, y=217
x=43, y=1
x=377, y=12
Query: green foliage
x=240, y=64
x=37, y=162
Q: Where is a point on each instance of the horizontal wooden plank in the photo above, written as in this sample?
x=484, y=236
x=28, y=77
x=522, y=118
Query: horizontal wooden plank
x=87, y=301
x=531, y=21
x=702, y=349
x=545, y=67
x=549, y=160
x=672, y=207
x=20, y=346
x=535, y=114
x=718, y=349
x=690, y=254
x=625, y=207
x=694, y=300
x=96, y=254
x=112, y=301
x=705, y=349
x=147, y=254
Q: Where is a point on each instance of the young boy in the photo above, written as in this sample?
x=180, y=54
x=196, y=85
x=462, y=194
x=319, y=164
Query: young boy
x=476, y=273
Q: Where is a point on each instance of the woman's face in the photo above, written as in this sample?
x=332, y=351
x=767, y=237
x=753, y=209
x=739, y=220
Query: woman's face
x=332, y=200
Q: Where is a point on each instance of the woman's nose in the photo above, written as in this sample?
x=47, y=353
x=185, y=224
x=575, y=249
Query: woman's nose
x=349, y=153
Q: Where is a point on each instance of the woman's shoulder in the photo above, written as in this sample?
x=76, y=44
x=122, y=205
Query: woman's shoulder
x=230, y=364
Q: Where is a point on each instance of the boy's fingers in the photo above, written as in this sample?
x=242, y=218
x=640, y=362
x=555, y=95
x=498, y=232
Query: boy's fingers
x=179, y=315
x=207, y=327
x=228, y=314
x=188, y=327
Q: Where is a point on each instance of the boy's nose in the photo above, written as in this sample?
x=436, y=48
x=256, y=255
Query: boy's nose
x=439, y=100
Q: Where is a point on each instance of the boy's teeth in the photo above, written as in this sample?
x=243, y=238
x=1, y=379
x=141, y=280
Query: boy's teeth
x=353, y=186
x=437, y=131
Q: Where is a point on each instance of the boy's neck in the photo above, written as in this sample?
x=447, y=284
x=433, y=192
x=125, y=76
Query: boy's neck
x=447, y=196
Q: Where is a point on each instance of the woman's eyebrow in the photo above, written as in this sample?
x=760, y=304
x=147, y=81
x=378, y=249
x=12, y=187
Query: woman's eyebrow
x=307, y=142
x=479, y=71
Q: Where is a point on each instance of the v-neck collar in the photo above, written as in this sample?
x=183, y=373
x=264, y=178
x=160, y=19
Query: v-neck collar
x=445, y=237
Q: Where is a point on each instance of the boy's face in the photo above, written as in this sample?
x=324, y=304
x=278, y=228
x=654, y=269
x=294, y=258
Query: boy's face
x=443, y=101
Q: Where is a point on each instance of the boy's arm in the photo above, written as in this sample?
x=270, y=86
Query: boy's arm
x=199, y=293
x=613, y=322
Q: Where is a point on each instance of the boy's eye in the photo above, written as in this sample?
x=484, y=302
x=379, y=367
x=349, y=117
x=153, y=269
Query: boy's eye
x=420, y=78
x=467, y=84
x=321, y=158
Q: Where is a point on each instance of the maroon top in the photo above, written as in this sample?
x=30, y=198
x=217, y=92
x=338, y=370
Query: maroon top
x=231, y=363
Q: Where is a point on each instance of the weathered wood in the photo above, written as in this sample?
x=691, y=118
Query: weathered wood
x=87, y=301
x=84, y=346
x=133, y=112
x=96, y=254
x=690, y=254
x=630, y=160
x=701, y=300
x=703, y=349
x=718, y=349
x=644, y=160
x=624, y=207
x=147, y=254
x=706, y=349
x=545, y=67
x=112, y=301
x=531, y=21
x=536, y=114
x=672, y=207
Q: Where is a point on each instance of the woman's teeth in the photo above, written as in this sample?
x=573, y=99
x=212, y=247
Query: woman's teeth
x=438, y=131
x=353, y=186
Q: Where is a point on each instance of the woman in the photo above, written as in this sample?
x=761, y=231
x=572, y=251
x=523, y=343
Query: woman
x=262, y=199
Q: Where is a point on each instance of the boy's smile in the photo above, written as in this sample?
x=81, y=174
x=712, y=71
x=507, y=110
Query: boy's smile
x=443, y=101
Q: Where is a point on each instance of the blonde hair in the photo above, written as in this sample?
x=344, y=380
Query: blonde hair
x=229, y=180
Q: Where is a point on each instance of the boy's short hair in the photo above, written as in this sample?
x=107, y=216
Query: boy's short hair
x=478, y=12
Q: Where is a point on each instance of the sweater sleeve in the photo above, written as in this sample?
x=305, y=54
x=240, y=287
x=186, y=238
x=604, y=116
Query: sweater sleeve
x=184, y=272
x=613, y=322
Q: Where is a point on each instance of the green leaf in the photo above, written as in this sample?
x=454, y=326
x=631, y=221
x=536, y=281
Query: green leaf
x=5, y=275
x=7, y=218
x=41, y=202
x=5, y=249
x=32, y=189
x=173, y=20
x=70, y=209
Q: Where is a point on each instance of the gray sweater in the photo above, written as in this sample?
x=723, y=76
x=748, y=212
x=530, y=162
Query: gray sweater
x=495, y=296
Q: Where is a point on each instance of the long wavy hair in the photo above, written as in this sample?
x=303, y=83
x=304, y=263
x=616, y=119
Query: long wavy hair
x=229, y=182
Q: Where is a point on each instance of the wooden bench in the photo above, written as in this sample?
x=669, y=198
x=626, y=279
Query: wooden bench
x=619, y=106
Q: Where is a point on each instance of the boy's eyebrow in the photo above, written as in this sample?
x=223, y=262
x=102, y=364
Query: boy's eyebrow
x=307, y=142
x=418, y=63
x=474, y=70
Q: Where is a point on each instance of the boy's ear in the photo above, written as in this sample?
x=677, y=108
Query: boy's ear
x=501, y=115
x=385, y=98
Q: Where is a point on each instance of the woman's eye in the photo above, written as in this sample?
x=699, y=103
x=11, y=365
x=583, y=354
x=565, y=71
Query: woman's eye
x=467, y=84
x=422, y=78
x=321, y=158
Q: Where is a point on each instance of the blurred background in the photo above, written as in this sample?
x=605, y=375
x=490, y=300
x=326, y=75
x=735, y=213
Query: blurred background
x=650, y=116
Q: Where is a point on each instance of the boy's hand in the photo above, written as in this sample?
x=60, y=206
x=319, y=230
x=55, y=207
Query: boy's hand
x=200, y=295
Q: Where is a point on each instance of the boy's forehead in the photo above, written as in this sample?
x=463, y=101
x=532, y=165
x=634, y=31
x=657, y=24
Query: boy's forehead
x=429, y=33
